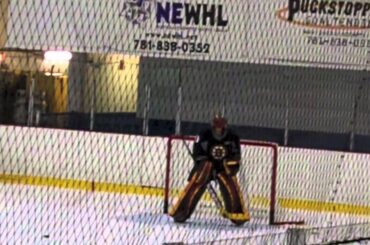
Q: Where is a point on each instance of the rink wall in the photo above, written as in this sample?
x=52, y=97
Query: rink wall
x=320, y=180
x=136, y=164
x=83, y=156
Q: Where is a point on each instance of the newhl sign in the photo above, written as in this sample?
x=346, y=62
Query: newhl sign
x=186, y=14
x=177, y=14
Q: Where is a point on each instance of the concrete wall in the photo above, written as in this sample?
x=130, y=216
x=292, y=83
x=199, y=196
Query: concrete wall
x=258, y=95
x=115, y=89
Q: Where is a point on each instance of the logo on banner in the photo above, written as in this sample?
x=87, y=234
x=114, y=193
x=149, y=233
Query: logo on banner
x=327, y=14
x=178, y=15
x=136, y=11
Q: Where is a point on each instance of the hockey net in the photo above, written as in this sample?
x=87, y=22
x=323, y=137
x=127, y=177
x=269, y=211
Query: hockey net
x=257, y=178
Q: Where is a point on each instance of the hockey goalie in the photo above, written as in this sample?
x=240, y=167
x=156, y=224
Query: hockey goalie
x=216, y=156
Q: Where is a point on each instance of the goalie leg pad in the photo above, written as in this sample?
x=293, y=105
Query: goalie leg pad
x=192, y=193
x=233, y=200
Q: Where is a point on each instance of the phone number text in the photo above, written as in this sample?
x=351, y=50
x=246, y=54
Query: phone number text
x=339, y=42
x=171, y=46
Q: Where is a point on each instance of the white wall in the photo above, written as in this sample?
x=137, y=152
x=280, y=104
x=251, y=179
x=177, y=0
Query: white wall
x=134, y=160
x=324, y=175
x=80, y=155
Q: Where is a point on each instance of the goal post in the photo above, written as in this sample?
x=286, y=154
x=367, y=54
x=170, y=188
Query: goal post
x=258, y=177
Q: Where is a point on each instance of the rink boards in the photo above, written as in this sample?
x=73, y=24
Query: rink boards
x=117, y=163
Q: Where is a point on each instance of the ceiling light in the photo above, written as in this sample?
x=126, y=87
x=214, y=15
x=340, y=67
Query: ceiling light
x=58, y=56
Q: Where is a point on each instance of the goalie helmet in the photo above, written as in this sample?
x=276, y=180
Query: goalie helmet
x=219, y=127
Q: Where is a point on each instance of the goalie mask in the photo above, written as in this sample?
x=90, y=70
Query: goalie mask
x=219, y=127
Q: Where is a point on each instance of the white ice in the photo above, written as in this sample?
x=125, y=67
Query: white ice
x=45, y=215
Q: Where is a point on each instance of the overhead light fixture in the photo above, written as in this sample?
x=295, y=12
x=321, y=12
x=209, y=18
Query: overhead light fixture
x=56, y=62
x=58, y=56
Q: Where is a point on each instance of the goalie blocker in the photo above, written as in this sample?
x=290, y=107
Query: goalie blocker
x=217, y=158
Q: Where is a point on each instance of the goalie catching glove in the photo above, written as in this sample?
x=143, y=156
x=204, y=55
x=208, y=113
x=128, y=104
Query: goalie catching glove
x=231, y=167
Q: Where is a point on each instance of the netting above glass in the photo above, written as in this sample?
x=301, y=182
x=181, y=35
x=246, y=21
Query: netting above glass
x=92, y=92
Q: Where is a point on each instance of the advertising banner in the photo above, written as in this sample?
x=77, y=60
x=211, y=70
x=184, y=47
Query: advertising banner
x=320, y=33
x=334, y=33
x=196, y=29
